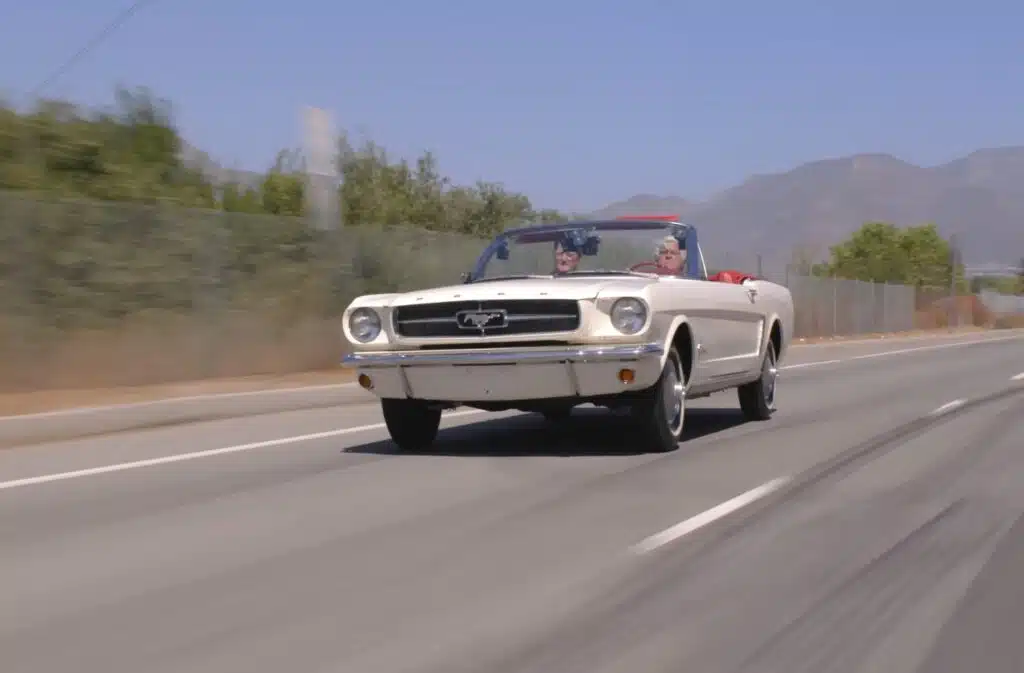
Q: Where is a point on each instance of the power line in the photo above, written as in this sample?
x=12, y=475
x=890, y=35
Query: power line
x=96, y=41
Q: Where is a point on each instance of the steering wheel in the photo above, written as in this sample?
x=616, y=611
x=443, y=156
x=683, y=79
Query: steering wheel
x=645, y=267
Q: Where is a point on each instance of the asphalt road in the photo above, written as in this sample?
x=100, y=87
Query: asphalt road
x=872, y=525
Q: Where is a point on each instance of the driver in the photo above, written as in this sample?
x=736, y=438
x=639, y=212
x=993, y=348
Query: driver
x=671, y=256
x=567, y=255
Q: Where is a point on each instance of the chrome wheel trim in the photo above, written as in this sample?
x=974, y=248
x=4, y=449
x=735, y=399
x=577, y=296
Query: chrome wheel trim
x=770, y=377
x=674, y=394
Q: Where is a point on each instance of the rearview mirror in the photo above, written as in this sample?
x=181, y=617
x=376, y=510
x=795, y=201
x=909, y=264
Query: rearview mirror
x=465, y=276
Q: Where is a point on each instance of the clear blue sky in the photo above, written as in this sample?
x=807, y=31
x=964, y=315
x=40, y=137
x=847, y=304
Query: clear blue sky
x=574, y=103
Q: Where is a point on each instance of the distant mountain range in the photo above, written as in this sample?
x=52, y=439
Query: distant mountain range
x=979, y=197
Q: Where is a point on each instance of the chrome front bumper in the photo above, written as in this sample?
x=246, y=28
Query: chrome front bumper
x=574, y=354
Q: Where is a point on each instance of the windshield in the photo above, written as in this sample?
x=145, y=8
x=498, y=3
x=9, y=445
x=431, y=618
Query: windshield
x=587, y=249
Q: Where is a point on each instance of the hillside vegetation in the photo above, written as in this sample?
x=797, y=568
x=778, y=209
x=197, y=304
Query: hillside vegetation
x=133, y=152
x=124, y=263
x=116, y=253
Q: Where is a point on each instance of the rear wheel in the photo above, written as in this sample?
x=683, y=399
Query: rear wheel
x=662, y=412
x=757, y=399
x=412, y=424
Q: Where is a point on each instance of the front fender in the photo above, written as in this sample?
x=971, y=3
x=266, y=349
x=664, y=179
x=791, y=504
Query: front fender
x=666, y=328
x=778, y=309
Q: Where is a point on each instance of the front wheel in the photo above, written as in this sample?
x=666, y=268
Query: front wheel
x=757, y=399
x=662, y=412
x=557, y=414
x=412, y=424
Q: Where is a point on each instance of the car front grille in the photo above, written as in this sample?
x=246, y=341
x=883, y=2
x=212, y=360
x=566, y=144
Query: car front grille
x=487, y=318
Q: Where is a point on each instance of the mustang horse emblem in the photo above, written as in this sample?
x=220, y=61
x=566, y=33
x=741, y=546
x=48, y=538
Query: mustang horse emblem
x=480, y=319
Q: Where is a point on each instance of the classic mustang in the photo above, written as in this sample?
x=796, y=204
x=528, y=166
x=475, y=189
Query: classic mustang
x=616, y=313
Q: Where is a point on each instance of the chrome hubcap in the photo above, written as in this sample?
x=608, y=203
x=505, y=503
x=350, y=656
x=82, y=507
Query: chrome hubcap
x=771, y=377
x=674, y=395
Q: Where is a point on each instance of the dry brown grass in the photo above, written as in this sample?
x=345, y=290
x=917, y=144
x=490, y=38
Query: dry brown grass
x=50, y=400
x=969, y=310
x=167, y=349
x=1009, y=321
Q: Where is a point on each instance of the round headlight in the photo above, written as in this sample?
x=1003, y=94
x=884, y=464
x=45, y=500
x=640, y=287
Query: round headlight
x=629, y=315
x=364, y=324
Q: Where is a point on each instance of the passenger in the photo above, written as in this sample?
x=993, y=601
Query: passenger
x=671, y=256
x=567, y=256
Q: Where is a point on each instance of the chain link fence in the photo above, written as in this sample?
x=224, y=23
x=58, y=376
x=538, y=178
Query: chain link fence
x=1002, y=304
x=104, y=294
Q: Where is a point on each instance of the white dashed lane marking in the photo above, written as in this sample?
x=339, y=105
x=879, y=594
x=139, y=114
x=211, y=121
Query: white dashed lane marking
x=181, y=457
x=708, y=517
x=949, y=406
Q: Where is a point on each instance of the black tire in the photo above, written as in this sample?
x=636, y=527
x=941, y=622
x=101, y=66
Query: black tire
x=557, y=414
x=662, y=412
x=757, y=399
x=412, y=424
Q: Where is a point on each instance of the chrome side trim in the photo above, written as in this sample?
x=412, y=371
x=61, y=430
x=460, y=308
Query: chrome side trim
x=406, y=386
x=570, y=371
x=511, y=356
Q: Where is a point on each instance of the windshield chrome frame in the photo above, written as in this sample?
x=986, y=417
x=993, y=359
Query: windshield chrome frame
x=694, y=262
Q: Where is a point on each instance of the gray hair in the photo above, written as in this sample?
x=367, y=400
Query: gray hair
x=665, y=242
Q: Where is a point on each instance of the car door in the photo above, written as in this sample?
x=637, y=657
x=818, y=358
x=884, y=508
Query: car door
x=727, y=326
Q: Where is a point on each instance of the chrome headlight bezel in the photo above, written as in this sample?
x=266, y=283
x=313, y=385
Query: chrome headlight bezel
x=628, y=315
x=364, y=324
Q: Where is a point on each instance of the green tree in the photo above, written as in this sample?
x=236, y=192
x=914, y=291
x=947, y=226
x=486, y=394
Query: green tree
x=550, y=216
x=1000, y=284
x=377, y=191
x=882, y=252
x=283, y=187
x=928, y=257
x=236, y=198
x=132, y=151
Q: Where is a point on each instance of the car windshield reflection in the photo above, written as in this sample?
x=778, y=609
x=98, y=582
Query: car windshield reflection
x=586, y=249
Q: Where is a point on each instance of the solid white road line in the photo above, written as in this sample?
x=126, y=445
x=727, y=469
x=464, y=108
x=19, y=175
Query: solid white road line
x=183, y=398
x=1018, y=377
x=43, y=479
x=181, y=457
x=901, y=351
x=948, y=406
x=885, y=337
x=708, y=516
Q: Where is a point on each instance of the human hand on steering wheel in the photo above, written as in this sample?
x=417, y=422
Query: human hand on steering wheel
x=646, y=267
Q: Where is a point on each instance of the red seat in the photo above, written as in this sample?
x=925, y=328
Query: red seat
x=736, y=277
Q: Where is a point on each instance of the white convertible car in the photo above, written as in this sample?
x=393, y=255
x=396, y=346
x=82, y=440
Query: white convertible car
x=617, y=313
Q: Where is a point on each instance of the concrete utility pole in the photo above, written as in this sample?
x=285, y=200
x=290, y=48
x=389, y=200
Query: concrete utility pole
x=953, y=306
x=321, y=167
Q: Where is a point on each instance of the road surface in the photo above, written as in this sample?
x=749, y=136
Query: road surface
x=872, y=525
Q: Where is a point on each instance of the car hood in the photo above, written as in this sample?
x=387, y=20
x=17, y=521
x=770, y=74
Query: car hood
x=526, y=288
